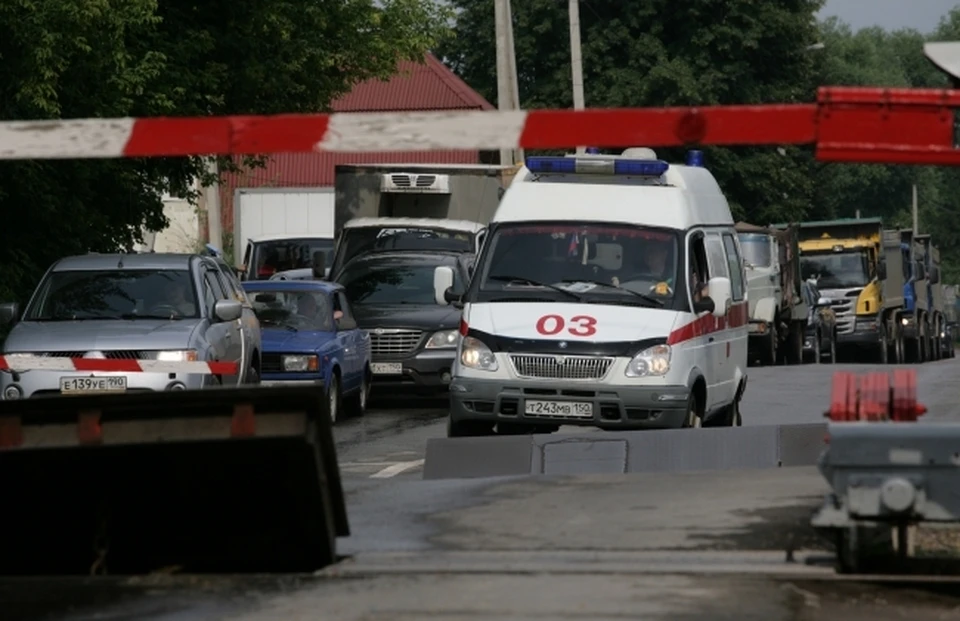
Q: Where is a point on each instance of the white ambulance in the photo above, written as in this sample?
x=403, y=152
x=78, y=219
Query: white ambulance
x=609, y=293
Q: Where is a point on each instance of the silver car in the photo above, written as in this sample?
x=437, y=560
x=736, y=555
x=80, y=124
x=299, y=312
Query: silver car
x=166, y=307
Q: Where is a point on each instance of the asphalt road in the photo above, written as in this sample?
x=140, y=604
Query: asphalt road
x=680, y=546
x=389, y=442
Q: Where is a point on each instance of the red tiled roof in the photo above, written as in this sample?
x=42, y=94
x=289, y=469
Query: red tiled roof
x=416, y=86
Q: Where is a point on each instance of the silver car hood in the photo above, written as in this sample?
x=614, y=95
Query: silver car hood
x=139, y=334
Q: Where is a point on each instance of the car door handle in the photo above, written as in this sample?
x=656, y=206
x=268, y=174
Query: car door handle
x=710, y=340
x=228, y=336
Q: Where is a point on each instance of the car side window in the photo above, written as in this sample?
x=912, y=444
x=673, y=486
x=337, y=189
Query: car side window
x=699, y=273
x=247, y=265
x=212, y=275
x=716, y=257
x=230, y=285
x=209, y=293
x=735, y=265
x=346, y=321
x=231, y=282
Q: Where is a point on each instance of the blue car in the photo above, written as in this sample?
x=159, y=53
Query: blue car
x=311, y=337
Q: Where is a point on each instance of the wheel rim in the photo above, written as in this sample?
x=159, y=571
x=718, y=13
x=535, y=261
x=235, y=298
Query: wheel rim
x=333, y=402
x=693, y=420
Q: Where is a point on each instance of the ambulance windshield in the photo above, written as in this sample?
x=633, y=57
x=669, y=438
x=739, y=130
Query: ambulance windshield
x=615, y=261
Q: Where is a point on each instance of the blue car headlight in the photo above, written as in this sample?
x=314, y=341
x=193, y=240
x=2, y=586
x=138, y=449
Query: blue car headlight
x=300, y=363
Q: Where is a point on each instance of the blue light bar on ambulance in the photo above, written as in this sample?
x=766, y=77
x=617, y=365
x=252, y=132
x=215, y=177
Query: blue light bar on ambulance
x=597, y=166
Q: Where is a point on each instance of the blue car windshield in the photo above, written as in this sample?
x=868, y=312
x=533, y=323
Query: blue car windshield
x=293, y=310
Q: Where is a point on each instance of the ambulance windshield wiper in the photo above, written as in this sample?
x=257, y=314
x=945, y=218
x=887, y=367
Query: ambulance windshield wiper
x=600, y=283
x=534, y=283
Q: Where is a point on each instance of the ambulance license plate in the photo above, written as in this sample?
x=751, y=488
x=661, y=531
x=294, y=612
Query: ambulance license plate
x=574, y=409
x=77, y=385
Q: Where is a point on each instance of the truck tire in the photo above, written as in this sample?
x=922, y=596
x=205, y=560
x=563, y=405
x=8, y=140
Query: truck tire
x=884, y=347
x=899, y=346
x=794, y=345
x=768, y=353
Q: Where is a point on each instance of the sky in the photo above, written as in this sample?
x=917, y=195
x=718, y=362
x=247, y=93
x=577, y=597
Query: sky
x=923, y=15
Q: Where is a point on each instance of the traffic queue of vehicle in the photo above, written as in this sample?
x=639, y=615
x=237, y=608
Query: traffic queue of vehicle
x=634, y=314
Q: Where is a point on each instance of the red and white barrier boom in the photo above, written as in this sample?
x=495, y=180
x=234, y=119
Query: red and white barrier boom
x=30, y=362
x=895, y=126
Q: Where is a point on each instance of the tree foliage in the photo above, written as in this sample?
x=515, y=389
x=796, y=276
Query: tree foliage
x=116, y=58
x=662, y=53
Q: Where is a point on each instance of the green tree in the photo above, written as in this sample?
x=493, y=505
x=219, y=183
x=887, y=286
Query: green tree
x=662, y=53
x=112, y=58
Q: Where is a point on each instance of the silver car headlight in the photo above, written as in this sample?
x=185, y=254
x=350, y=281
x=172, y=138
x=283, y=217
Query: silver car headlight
x=444, y=339
x=300, y=364
x=651, y=362
x=475, y=355
x=179, y=355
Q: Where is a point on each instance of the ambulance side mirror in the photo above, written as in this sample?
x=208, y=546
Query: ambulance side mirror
x=718, y=289
x=442, y=281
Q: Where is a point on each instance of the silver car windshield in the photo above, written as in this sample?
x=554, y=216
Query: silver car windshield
x=115, y=294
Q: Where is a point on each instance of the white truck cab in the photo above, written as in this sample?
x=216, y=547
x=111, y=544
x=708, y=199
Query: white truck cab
x=609, y=293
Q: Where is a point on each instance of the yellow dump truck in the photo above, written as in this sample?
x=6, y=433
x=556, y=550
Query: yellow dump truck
x=859, y=267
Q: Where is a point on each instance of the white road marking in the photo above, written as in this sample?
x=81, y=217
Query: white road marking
x=397, y=468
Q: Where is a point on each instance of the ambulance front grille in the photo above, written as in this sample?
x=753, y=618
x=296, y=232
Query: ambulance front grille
x=539, y=366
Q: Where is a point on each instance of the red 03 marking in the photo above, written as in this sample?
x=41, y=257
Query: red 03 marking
x=582, y=325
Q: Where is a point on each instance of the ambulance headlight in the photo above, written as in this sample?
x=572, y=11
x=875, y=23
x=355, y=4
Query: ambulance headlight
x=475, y=355
x=651, y=362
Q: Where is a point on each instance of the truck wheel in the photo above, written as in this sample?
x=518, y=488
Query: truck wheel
x=833, y=348
x=899, y=349
x=794, y=351
x=884, y=347
x=769, y=355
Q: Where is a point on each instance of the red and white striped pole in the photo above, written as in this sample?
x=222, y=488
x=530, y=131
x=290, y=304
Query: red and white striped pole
x=894, y=126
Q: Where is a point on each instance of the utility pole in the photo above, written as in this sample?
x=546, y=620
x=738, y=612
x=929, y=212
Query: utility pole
x=916, y=213
x=212, y=193
x=506, y=68
x=576, y=62
x=514, y=79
